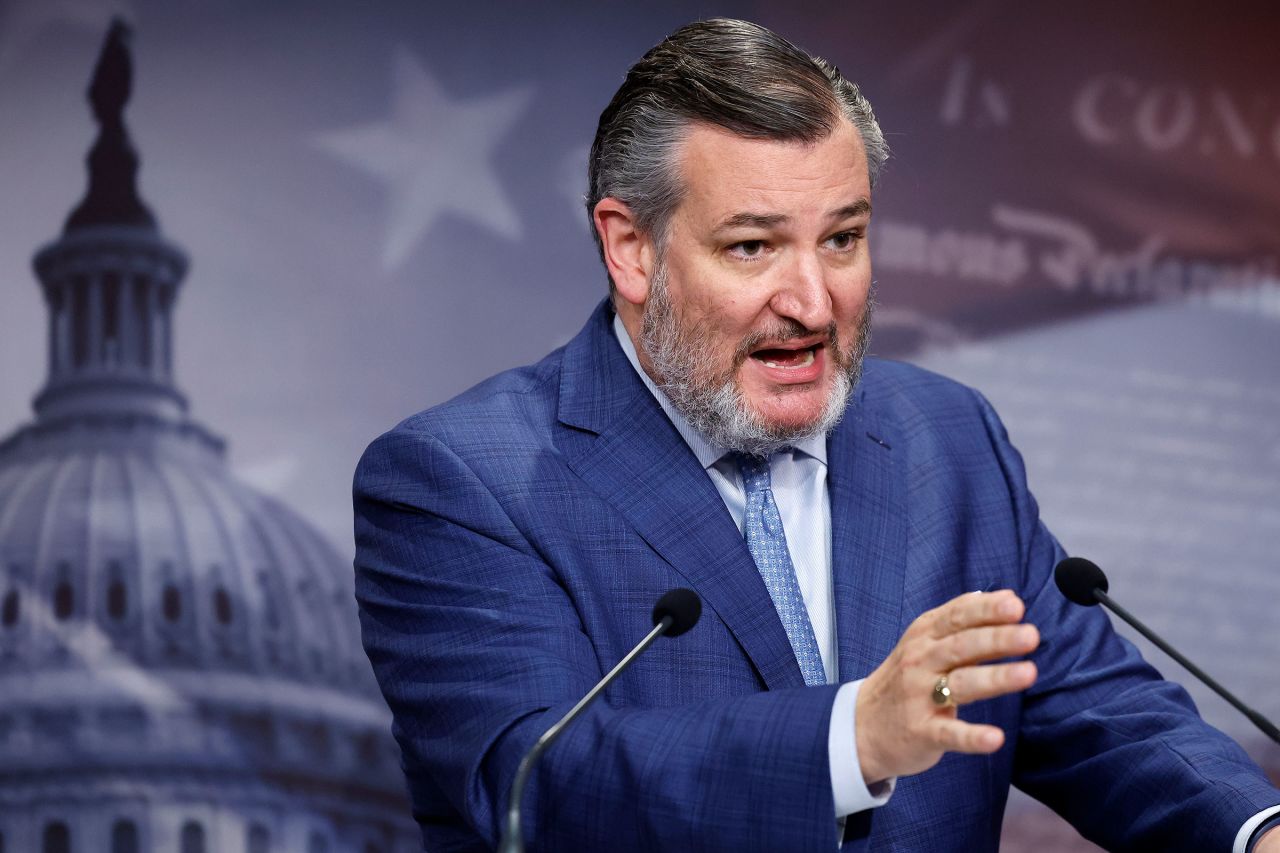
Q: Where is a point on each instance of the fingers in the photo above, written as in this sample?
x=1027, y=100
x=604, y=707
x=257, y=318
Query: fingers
x=975, y=683
x=900, y=729
x=969, y=629
x=973, y=610
x=974, y=645
x=952, y=735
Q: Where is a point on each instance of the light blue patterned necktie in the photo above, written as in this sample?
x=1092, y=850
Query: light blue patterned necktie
x=767, y=542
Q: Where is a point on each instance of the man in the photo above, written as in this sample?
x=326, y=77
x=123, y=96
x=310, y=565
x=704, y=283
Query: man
x=868, y=668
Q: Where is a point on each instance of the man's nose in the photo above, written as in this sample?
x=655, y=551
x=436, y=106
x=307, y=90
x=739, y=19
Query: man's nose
x=802, y=294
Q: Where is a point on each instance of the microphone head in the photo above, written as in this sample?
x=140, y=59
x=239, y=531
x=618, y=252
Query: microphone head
x=683, y=606
x=1078, y=578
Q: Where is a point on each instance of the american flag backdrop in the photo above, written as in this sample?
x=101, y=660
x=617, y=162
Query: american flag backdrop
x=382, y=205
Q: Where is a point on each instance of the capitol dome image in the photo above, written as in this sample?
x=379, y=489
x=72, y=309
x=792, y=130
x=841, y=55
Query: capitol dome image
x=180, y=665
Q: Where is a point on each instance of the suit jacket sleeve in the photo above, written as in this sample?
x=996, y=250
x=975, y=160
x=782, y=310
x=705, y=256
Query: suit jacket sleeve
x=478, y=649
x=1102, y=739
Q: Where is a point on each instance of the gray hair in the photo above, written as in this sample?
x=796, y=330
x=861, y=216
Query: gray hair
x=731, y=74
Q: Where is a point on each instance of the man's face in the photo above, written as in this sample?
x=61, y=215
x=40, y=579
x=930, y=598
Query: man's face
x=757, y=313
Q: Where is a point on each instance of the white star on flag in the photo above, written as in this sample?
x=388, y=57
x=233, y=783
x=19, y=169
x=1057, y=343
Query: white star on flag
x=434, y=156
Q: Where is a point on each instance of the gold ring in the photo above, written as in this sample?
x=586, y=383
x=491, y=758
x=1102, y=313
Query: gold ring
x=942, y=693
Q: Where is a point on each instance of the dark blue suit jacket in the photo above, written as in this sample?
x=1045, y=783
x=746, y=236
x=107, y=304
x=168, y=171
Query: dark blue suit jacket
x=510, y=546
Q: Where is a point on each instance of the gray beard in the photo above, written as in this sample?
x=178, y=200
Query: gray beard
x=713, y=403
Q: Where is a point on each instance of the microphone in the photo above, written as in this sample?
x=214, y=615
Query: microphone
x=675, y=613
x=680, y=609
x=1082, y=582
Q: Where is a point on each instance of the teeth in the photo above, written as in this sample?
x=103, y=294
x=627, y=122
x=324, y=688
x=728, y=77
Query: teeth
x=804, y=362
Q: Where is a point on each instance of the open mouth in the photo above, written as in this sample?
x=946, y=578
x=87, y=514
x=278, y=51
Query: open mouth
x=787, y=358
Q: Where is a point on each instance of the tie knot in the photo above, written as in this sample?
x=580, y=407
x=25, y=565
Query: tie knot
x=755, y=472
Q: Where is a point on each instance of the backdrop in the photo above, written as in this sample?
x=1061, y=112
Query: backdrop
x=382, y=206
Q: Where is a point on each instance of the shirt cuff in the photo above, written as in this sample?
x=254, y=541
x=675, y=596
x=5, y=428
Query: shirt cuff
x=849, y=791
x=1244, y=838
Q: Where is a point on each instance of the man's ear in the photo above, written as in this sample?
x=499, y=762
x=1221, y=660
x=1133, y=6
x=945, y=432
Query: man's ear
x=628, y=252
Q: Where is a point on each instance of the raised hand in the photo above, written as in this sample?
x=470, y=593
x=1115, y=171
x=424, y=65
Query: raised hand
x=906, y=710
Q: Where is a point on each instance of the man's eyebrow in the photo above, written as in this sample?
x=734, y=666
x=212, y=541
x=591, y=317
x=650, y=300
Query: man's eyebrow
x=746, y=219
x=861, y=207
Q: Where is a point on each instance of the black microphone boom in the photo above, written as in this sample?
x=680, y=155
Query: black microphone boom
x=1082, y=582
x=676, y=612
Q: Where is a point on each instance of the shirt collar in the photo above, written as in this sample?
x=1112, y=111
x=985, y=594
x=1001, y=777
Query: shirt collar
x=707, y=452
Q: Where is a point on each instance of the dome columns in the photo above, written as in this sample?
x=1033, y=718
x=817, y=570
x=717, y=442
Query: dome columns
x=110, y=293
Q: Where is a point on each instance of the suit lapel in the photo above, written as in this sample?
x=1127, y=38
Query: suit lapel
x=868, y=538
x=641, y=465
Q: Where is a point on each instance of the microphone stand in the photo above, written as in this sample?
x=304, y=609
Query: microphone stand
x=1268, y=728
x=511, y=840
